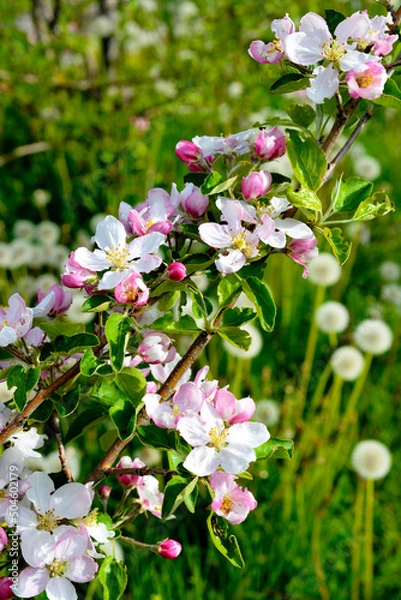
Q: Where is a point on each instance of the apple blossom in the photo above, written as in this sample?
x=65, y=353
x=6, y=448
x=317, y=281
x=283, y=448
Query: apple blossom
x=132, y=290
x=366, y=81
x=273, y=51
x=230, y=500
x=129, y=480
x=216, y=444
x=156, y=348
x=15, y=320
x=55, y=560
x=270, y=144
x=302, y=251
x=117, y=257
x=6, y=590
x=188, y=399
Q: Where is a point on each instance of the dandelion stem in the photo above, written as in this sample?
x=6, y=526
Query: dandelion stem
x=356, y=539
x=317, y=562
x=368, y=582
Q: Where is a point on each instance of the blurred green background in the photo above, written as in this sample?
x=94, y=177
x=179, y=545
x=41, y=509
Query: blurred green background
x=94, y=95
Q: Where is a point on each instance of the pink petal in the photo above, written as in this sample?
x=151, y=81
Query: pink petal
x=31, y=582
x=82, y=569
x=72, y=500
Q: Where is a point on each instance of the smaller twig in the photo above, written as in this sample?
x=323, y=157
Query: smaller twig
x=61, y=448
x=344, y=150
x=26, y=150
x=139, y=471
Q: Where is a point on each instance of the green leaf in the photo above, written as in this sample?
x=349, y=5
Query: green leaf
x=307, y=159
x=98, y=303
x=68, y=403
x=259, y=294
x=340, y=246
x=391, y=97
x=304, y=198
x=107, y=439
x=225, y=185
x=235, y=336
x=228, y=288
x=156, y=437
x=60, y=327
x=118, y=331
x=291, y=82
x=132, y=383
x=83, y=422
x=277, y=447
x=226, y=543
x=24, y=380
x=5, y=355
x=91, y=365
x=66, y=345
x=108, y=393
x=211, y=181
x=350, y=193
x=333, y=18
x=175, y=493
x=43, y=412
x=185, y=325
x=174, y=459
x=123, y=415
x=301, y=114
x=113, y=577
x=167, y=301
x=169, y=286
x=201, y=306
x=377, y=205
x=235, y=317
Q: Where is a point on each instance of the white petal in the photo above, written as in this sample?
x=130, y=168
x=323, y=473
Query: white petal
x=146, y=263
x=277, y=239
x=193, y=430
x=293, y=228
x=60, y=588
x=235, y=458
x=215, y=235
x=71, y=544
x=72, y=501
x=111, y=279
x=146, y=244
x=302, y=50
x=110, y=233
x=95, y=261
x=31, y=582
x=248, y=434
x=202, y=461
x=39, y=493
x=324, y=85
x=231, y=262
x=37, y=547
x=82, y=569
x=353, y=59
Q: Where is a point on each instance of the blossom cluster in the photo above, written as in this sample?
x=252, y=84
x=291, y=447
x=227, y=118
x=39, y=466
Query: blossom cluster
x=351, y=56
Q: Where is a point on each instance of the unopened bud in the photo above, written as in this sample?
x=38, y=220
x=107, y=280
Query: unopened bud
x=169, y=549
x=177, y=271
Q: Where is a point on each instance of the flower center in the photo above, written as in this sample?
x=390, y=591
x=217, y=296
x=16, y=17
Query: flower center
x=241, y=243
x=274, y=46
x=118, y=257
x=48, y=521
x=217, y=437
x=91, y=519
x=332, y=50
x=58, y=567
x=226, y=504
x=364, y=81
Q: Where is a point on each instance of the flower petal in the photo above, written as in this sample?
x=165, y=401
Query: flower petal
x=39, y=493
x=72, y=500
x=31, y=582
x=202, y=461
x=82, y=569
x=59, y=588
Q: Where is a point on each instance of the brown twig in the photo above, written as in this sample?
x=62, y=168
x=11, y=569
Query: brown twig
x=61, y=448
x=140, y=471
x=338, y=127
x=40, y=397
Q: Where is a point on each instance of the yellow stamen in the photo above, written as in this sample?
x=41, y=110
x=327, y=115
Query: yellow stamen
x=118, y=257
x=364, y=81
x=332, y=51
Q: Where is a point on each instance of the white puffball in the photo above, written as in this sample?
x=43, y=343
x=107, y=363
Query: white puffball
x=47, y=233
x=324, y=269
x=373, y=336
x=267, y=412
x=332, y=317
x=371, y=459
x=347, y=362
x=390, y=271
x=253, y=350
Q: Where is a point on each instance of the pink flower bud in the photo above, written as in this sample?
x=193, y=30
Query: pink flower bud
x=5, y=588
x=195, y=204
x=187, y=151
x=256, y=185
x=132, y=290
x=75, y=275
x=169, y=549
x=156, y=348
x=270, y=145
x=104, y=492
x=177, y=271
x=128, y=480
